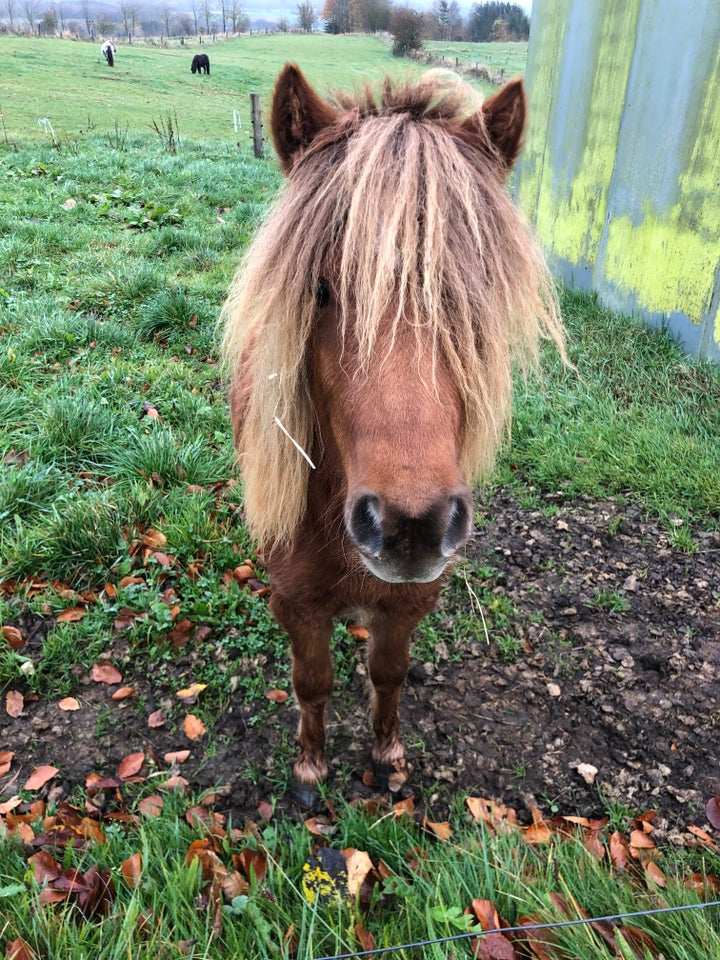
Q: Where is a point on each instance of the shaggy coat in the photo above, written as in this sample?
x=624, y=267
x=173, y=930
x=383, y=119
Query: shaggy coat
x=370, y=333
x=200, y=63
x=108, y=51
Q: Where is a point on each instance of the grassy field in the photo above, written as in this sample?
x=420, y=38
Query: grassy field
x=509, y=57
x=69, y=83
x=115, y=255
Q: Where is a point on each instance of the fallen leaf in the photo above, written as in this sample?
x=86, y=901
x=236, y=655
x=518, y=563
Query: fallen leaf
x=69, y=703
x=154, y=539
x=14, y=637
x=105, y=672
x=654, y=872
x=18, y=950
x=123, y=693
x=175, y=783
x=6, y=757
x=14, y=703
x=193, y=727
x=712, y=808
x=358, y=632
x=702, y=835
x=131, y=765
x=365, y=938
x=178, y=756
x=40, y=776
x=619, y=850
x=358, y=865
x=277, y=696
x=10, y=805
x=442, y=830
x=156, y=719
x=151, y=806
x=190, y=694
x=71, y=615
x=132, y=869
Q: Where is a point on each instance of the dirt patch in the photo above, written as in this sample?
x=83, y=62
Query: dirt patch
x=617, y=672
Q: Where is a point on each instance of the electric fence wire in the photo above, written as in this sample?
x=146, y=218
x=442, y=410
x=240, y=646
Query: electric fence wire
x=525, y=928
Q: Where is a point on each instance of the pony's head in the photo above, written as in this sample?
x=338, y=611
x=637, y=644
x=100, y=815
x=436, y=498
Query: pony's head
x=377, y=313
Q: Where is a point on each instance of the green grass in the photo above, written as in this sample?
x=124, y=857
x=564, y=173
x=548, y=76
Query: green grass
x=508, y=57
x=70, y=84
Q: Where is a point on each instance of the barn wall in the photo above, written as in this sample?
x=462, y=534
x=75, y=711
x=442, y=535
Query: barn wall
x=621, y=170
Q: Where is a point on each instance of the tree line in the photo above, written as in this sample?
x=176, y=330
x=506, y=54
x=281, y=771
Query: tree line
x=485, y=21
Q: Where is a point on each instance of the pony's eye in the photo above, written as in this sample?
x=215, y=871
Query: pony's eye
x=322, y=294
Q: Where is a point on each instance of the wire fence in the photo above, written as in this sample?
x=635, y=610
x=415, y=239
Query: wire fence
x=525, y=928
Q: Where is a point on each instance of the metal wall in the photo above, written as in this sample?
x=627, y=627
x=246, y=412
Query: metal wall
x=621, y=170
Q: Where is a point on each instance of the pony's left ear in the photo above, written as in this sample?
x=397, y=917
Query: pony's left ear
x=298, y=114
x=503, y=119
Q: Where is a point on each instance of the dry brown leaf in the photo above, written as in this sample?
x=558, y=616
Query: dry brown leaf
x=123, y=693
x=131, y=765
x=619, y=850
x=193, y=727
x=69, y=703
x=18, y=949
x=190, y=694
x=358, y=632
x=40, y=776
x=14, y=637
x=177, y=756
x=10, y=805
x=654, y=872
x=105, y=672
x=365, y=938
x=14, y=703
x=156, y=719
x=358, y=865
x=712, y=808
x=442, y=830
x=404, y=807
x=277, y=696
x=132, y=869
x=151, y=806
x=72, y=615
x=6, y=757
x=175, y=783
x=640, y=840
x=702, y=835
x=154, y=539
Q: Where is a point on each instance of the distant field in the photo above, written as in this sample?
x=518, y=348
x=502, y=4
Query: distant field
x=69, y=83
x=510, y=57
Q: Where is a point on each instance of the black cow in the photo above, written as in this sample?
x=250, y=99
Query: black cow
x=200, y=62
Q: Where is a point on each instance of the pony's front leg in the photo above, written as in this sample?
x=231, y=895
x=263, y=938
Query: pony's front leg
x=388, y=662
x=312, y=677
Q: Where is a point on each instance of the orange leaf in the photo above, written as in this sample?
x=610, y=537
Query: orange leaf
x=151, y=806
x=640, y=840
x=358, y=865
x=18, y=950
x=277, y=696
x=110, y=590
x=123, y=693
x=359, y=633
x=14, y=703
x=40, y=776
x=175, y=783
x=194, y=727
x=13, y=637
x=619, y=850
x=132, y=869
x=154, y=539
x=130, y=765
x=69, y=703
x=404, y=807
x=179, y=756
x=190, y=694
x=10, y=805
x=72, y=615
x=6, y=757
x=701, y=835
x=442, y=830
x=655, y=874
x=365, y=938
x=105, y=672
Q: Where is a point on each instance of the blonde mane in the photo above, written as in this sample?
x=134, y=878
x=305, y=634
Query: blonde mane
x=410, y=222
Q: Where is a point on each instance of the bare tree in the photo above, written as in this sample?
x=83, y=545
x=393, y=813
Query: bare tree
x=31, y=10
x=10, y=7
x=207, y=14
x=130, y=13
x=166, y=13
x=306, y=15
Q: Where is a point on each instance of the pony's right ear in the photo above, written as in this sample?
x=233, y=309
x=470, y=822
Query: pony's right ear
x=298, y=114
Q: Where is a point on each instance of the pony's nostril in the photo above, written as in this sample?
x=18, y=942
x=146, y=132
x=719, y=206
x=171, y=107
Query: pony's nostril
x=459, y=525
x=365, y=525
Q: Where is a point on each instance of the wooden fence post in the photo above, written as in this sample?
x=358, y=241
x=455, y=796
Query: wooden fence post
x=256, y=124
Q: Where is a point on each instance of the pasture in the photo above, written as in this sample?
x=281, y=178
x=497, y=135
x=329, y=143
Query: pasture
x=136, y=643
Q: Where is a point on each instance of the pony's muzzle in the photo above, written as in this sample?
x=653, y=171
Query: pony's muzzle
x=400, y=545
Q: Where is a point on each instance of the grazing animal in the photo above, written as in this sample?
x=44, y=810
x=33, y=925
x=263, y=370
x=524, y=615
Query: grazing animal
x=109, y=51
x=370, y=332
x=200, y=62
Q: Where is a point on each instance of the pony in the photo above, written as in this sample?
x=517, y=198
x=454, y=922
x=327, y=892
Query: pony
x=370, y=333
x=200, y=62
x=109, y=51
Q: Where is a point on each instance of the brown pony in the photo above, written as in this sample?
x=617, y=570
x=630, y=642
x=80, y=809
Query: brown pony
x=370, y=331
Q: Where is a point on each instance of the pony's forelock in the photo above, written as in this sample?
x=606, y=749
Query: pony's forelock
x=409, y=220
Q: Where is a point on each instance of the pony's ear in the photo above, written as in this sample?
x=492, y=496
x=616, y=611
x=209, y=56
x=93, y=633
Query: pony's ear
x=503, y=119
x=298, y=115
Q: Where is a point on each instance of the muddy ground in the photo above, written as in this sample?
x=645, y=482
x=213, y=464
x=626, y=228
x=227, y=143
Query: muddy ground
x=612, y=699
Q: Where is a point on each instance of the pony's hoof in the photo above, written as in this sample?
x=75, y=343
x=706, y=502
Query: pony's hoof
x=305, y=794
x=390, y=777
